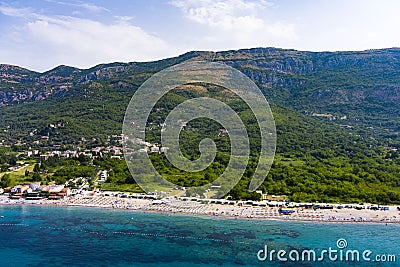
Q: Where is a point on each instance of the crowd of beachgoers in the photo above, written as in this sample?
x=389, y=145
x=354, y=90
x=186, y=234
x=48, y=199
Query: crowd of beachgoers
x=224, y=208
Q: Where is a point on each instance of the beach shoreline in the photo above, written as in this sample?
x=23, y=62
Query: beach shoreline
x=179, y=207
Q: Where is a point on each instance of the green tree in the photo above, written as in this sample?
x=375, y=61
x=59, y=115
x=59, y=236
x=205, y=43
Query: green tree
x=12, y=161
x=5, y=181
x=36, y=177
x=36, y=168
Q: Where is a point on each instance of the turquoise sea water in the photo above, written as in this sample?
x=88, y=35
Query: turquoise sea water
x=61, y=236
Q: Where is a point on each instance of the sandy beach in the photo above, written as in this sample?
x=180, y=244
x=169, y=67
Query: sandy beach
x=236, y=210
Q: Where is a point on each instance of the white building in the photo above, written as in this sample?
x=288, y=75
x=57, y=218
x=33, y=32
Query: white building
x=155, y=149
x=163, y=149
x=103, y=177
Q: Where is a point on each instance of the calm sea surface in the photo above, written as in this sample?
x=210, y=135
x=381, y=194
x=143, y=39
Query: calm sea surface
x=61, y=236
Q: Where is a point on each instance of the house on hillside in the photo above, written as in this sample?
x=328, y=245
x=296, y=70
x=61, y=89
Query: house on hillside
x=154, y=149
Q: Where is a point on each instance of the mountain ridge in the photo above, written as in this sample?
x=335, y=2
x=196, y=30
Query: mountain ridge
x=203, y=53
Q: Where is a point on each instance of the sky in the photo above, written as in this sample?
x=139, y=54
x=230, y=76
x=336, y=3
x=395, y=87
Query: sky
x=42, y=34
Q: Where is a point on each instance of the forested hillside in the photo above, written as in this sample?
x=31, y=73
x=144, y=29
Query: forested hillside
x=337, y=118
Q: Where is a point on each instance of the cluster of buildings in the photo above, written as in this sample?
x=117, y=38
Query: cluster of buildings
x=37, y=191
x=99, y=151
x=147, y=147
x=154, y=149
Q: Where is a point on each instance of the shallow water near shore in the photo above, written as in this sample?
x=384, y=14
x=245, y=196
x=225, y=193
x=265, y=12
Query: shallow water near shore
x=70, y=236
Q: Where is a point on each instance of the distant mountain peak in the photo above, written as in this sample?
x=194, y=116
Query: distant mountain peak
x=63, y=70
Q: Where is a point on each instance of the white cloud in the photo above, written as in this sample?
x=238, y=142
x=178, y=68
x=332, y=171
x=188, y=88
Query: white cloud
x=92, y=7
x=124, y=18
x=349, y=25
x=236, y=22
x=222, y=14
x=88, y=6
x=14, y=12
x=86, y=36
x=47, y=41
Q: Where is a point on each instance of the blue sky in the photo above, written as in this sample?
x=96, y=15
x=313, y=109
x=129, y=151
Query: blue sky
x=42, y=34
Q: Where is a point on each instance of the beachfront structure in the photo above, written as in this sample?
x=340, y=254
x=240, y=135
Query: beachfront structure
x=34, y=186
x=59, y=194
x=19, y=189
x=262, y=195
x=55, y=188
x=65, y=192
x=33, y=196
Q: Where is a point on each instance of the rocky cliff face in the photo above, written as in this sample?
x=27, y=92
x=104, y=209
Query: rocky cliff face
x=327, y=77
